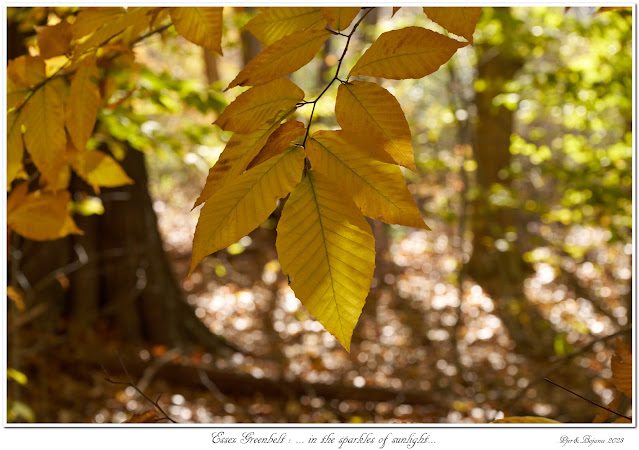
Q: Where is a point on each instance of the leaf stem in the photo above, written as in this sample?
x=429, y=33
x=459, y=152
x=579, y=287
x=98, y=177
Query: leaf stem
x=336, y=76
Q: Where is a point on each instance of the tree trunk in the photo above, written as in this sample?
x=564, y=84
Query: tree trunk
x=498, y=266
x=116, y=274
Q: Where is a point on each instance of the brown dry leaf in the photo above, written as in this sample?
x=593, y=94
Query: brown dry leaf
x=525, y=419
x=281, y=139
x=621, y=365
x=145, y=417
x=54, y=40
x=603, y=414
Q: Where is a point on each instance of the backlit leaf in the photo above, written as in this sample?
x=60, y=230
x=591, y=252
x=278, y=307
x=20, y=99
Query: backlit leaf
x=272, y=24
x=133, y=17
x=44, y=134
x=243, y=204
x=339, y=18
x=281, y=139
x=621, y=365
x=54, y=40
x=98, y=169
x=40, y=216
x=525, y=419
x=26, y=70
x=15, y=148
x=411, y=52
x=460, y=21
x=327, y=249
x=362, y=105
x=202, y=26
x=238, y=153
x=90, y=19
x=259, y=104
x=281, y=58
x=378, y=188
x=83, y=103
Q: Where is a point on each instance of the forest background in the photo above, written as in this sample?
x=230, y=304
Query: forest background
x=523, y=149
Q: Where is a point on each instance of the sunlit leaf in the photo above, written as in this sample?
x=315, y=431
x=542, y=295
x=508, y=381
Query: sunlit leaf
x=202, y=26
x=281, y=139
x=272, y=24
x=238, y=153
x=44, y=134
x=83, y=103
x=411, y=52
x=54, y=40
x=26, y=70
x=378, y=188
x=525, y=419
x=133, y=17
x=243, y=204
x=362, y=105
x=15, y=148
x=621, y=365
x=39, y=216
x=460, y=21
x=90, y=19
x=259, y=104
x=98, y=169
x=281, y=58
x=339, y=18
x=327, y=249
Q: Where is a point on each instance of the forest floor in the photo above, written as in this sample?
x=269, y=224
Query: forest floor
x=428, y=347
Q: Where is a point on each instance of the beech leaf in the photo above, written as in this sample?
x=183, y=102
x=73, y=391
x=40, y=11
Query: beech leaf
x=272, y=24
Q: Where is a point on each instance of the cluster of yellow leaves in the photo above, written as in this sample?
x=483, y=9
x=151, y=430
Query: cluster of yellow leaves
x=334, y=177
x=53, y=101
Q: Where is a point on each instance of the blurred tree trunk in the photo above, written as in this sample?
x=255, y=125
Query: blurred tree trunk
x=496, y=263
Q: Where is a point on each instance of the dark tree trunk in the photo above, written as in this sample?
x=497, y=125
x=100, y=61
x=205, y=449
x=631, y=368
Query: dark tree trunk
x=117, y=273
x=501, y=272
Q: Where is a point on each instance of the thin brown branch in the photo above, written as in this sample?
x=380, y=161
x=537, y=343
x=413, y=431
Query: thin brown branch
x=588, y=400
x=138, y=390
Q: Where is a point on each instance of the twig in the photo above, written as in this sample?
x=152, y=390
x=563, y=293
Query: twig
x=336, y=76
x=138, y=390
x=563, y=360
x=589, y=401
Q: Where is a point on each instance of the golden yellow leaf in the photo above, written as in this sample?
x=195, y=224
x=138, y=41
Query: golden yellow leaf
x=98, y=169
x=254, y=107
x=26, y=70
x=202, y=26
x=90, y=19
x=327, y=249
x=17, y=296
x=15, y=148
x=16, y=94
x=362, y=105
x=281, y=58
x=525, y=419
x=243, y=204
x=133, y=17
x=54, y=40
x=411, y=52
x=621, y=365
x=378, y=188
x=44, y=134
x=40, y=216
x=281, y=139
x=460, y=21
x=272, y=24
x=622, y=420
x=83, y=103
x=339, y=18
x=238, y=153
